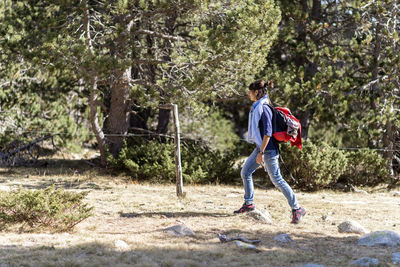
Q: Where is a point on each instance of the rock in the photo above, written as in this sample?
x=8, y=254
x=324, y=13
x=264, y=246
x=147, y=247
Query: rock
x=310, y=265
x=261, y=215
x=396, y=194
x=283, y=238
x=365, y=261
x=224, y=239
x=325, y=218
x=358, y=191
x=179, y=230
x=351, y=227
x=121, y=245
x=245, y=245
x=380, y=238
x=340, y=186
x=396, y=258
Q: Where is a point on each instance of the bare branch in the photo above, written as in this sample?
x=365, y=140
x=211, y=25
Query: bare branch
x=152, y=61
x=160, y=35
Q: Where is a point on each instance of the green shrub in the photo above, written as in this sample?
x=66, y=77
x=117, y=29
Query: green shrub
x=366, y=167
x=146, y=160
x=209, y=125
x=316, y=165
x=52, y=209
x=201, y=164
x=150, y=160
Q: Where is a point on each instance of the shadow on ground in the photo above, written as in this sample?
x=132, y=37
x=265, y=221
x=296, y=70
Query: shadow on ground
x=173, y=214
x=65, y=173
x=203, y=251
x=57, y=167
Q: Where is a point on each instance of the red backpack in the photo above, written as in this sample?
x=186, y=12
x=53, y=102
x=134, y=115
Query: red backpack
x=285, y=126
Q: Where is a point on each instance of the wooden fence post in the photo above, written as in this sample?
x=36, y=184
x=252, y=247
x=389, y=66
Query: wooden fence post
x=177, y=141
x=178, y=164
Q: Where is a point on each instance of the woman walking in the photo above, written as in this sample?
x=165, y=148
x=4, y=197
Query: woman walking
x=266, y=152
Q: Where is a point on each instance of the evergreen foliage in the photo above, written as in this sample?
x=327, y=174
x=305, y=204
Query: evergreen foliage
x=210, y=127
x=135, y=55
x=365, y=168
x=50, y=209
x=316, y=165
x=334, y=64
x=38, y=97
x=150, y=160
x=319, y=165
x=74, y=66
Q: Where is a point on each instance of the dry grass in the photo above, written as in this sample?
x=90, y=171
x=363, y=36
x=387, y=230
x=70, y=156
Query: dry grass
x=137, y=214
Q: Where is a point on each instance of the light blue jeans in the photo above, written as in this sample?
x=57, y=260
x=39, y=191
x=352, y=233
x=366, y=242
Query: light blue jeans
x=271, y=165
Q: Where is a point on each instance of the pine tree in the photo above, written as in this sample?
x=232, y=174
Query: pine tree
x=132, y=56
x=336, y=65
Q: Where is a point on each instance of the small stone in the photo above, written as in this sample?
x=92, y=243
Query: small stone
x=283, y=238
x=261, y=215
x=358, y=191
x=351, y=227
x=325, y=218
x=396, y=194
x=121, y=245
x=365, y=261
x=396, y=258
x=179, y=230
x=380, y=238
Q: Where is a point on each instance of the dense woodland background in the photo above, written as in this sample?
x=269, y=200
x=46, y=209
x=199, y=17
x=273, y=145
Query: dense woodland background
x=95, y=73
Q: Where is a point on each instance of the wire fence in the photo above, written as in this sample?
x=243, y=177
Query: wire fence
x=148, y=133
x=28, y=153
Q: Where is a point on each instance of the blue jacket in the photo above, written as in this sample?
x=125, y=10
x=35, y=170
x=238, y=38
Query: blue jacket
x=265, y=126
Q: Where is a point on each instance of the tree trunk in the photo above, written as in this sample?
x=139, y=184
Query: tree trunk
x=310, y=68
x=316, y=11
x=388, y=143
x=164, y=114
x=305, y=121
x=163, y=120
x=94, y=121
x=92, y=85
x=118, y=117
x=138, y=115
x=138, y=119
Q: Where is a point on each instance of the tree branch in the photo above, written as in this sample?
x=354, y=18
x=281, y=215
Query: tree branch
x=160, y=35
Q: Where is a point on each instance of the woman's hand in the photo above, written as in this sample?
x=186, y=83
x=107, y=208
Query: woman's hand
x=259, y=158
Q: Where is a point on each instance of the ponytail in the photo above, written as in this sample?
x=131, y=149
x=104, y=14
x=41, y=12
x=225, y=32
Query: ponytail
x=261, y=87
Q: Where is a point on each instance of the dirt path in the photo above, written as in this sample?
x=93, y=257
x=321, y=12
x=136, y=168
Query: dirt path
x=137, y=213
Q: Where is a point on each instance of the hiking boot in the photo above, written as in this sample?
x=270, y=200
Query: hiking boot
x=245, y=208
x=298, y=214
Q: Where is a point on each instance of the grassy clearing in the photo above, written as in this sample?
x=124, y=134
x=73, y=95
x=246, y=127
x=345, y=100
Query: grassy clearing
x=137, y=214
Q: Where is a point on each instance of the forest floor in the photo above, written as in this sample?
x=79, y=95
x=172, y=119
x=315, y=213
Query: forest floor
x=129, y=218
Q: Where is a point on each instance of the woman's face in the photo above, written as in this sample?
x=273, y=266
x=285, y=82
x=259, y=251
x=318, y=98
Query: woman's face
x=252, y=95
